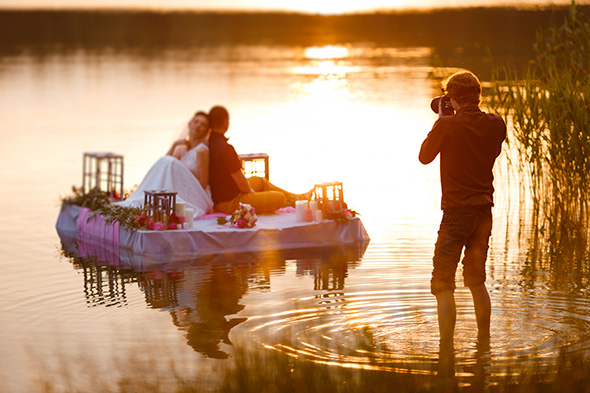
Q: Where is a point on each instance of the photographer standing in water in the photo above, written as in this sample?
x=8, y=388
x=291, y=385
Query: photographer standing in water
x=469, y=141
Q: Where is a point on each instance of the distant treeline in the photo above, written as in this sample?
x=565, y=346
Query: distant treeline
x=452, y=32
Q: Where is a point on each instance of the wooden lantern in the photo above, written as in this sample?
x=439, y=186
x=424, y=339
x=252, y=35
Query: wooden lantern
x=330, y=196
x=159, y=204
x=255, y=164
x=104, y=172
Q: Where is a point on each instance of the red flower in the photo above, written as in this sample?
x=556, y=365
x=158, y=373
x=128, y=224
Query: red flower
x=174, y=219
x=142, y=220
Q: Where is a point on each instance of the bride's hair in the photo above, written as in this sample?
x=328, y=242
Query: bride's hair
x=202, y=114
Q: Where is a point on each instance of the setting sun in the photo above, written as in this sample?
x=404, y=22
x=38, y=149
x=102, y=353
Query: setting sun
x=324, y=7
x=336, y=7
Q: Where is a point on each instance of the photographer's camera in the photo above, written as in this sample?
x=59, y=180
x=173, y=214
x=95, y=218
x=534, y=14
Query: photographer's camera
x=445, y=105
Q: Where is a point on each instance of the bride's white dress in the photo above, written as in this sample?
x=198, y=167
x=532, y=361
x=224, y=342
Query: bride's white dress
x=171, y=174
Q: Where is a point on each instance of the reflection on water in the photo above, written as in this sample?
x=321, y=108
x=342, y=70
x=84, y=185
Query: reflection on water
x=203, y=295
x=325, y=317
x=324, y=107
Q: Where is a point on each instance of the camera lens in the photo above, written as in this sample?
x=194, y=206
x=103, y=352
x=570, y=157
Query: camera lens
x=434, y=104
x=446, y=106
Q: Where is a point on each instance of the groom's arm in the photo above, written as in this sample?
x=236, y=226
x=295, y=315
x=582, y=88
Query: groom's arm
x=233, y=165
x=242, y=182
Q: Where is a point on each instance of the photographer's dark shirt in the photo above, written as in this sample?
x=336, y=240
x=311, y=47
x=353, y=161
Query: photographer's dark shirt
x=223, y=161
x=468, y=143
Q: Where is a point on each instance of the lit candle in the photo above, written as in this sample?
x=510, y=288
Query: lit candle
x=300, y=207
x=318, y=216
x=189, y=216
x=179, y=209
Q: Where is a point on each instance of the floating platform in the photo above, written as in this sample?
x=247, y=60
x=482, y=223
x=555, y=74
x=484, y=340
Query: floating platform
x=273, y=233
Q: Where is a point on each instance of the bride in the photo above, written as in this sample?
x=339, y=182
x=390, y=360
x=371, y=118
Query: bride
x=184, y=169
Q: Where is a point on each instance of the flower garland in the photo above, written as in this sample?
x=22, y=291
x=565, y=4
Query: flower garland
x=341, y=216
x=174, y=222
x=129, y=218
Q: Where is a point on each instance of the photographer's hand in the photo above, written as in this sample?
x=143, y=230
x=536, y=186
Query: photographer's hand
x=440, y=111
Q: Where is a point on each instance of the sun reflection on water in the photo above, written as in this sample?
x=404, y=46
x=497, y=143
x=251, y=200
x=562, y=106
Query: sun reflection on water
x=327, y=52
x=329, y=60
x=341, y=133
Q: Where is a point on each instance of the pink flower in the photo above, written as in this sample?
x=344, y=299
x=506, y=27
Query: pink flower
x=158, y=226
x=241, y=223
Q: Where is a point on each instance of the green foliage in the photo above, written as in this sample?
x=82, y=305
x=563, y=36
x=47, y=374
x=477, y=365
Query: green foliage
x=101, y=204
x=548, y=106
x=93, y=200
x=126, y=216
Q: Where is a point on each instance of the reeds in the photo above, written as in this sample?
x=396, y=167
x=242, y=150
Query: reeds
x=270, y=371
x=548, y=106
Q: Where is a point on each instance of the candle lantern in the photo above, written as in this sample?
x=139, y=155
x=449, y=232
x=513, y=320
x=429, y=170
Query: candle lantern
x=255, y=164
x=330, y=197
x=159, y=205
x=104, y=172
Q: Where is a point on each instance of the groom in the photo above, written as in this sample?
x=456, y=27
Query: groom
x=229, y=186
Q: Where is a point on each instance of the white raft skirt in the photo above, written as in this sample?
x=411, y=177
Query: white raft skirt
x=275, y=232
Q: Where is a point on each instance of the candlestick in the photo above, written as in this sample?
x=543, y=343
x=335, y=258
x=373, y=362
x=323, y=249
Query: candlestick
x=318, y=216
x=308, y=216
x=189, y=217
x=300, y=207
x=179, y=210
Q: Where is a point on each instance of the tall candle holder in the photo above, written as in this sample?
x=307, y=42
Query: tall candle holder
x=159, y=204
x=104, y=172
x=255, y=164
x=330, y=196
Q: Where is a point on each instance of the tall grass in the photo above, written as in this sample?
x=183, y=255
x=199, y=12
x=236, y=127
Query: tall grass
x=548, y=106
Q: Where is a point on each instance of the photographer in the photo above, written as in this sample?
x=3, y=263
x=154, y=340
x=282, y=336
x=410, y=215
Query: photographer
x=469, y=142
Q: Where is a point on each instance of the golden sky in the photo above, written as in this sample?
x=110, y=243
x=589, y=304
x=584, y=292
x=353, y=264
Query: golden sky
x=311, y=6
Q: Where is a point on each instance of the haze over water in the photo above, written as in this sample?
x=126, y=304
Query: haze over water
x=345, y=99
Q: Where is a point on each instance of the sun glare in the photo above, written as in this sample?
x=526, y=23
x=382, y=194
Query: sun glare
x=325, y=7
x=326, y=52
x=338, y=7
x=325, y=60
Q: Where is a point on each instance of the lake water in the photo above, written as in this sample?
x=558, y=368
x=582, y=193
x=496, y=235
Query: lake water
x=356, y=112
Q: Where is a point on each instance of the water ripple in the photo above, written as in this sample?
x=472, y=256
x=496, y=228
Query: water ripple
x=397, y=330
